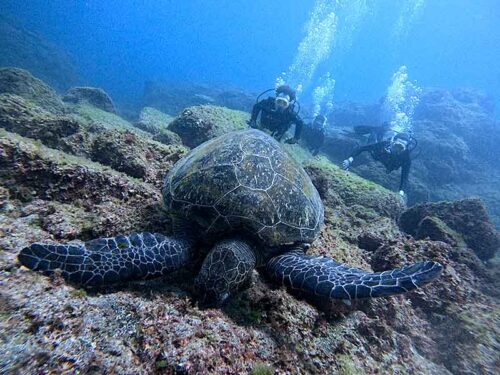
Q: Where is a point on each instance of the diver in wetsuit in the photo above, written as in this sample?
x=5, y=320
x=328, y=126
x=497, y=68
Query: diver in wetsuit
x=278, y=114
x=393, y=154
x=316, y=134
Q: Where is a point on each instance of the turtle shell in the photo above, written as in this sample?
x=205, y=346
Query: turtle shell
x=244, y=182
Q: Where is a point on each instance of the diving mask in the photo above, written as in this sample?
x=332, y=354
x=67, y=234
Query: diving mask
x=398, y=146
x=282, y=102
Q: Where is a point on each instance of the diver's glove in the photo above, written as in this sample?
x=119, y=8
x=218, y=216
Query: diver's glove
x=252, y=123
x=291, y=141
x=404, y=197
x=347, y=163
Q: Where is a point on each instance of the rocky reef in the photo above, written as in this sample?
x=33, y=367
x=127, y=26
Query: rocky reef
x=85, y=172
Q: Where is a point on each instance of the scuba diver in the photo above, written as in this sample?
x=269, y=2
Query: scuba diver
x=393, y=154
x=316, y=134
x=278, y=113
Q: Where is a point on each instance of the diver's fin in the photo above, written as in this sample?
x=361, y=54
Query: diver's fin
x=107, y=261
x=324, y=277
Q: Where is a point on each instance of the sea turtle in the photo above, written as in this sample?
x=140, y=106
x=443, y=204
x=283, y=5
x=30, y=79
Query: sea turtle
x=244, y=195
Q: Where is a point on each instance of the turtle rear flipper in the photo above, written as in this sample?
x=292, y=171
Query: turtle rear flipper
x=324, y=277
x=106, y=261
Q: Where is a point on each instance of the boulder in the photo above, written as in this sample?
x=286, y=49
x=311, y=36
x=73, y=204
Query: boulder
x=91, y=95
x=167, y=137
x=20, y=82
x=335, y=185
x=152, y=120
x=24, y=117
x=436, y=229
x=199, y=124
x=467, y=217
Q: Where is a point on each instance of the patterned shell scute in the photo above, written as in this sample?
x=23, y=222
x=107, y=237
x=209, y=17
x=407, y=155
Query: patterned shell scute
x=245, y=182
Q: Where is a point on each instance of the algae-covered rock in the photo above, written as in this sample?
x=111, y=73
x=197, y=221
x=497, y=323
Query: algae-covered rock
x=24, y=117
x=54, y=175
x=354, y=209
x=335, y=185
x=117, y=147
x=152, y=120
x=435, y=229
x=199, y=124
x=458, y=315
x=20, y=82
x=467, y=217
x=93, y=115
x=137, y=157
x=167, y=137
x=91, y=95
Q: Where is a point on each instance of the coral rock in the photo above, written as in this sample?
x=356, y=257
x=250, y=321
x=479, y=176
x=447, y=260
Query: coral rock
x=152, y=121
x=20, y=82
x=467, y=217
x=91, y=95
x=199, y=124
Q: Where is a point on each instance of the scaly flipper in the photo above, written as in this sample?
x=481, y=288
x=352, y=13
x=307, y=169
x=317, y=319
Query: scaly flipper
x=107, y=261
x=324, y=277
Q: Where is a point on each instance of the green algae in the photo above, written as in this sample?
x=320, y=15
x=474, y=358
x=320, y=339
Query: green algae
x=78, y=293
x=109, y=120
x=242, y=313
x=262, y=369
x=477, y=324
x=161, y=364
x=347, y=366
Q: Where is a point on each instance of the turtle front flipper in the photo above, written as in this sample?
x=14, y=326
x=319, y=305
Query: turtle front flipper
x=226, y=269
x=106, y=261
x=323, y=277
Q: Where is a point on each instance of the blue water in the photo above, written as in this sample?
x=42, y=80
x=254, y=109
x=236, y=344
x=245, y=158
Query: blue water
x=119, y=44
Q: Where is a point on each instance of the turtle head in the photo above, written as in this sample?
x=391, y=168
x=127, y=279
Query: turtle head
x=226, y=270
x=211, y=294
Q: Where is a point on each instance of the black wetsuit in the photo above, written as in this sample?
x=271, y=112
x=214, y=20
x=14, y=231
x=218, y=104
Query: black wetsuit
x=278, y=122
x=315, y=138
x=379, y=152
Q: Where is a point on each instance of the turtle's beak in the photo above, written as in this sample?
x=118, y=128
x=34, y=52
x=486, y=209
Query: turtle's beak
x=209, y=298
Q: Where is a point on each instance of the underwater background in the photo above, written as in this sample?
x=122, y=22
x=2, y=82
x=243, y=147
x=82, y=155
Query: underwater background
x=118, y=45
x=100, y=99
